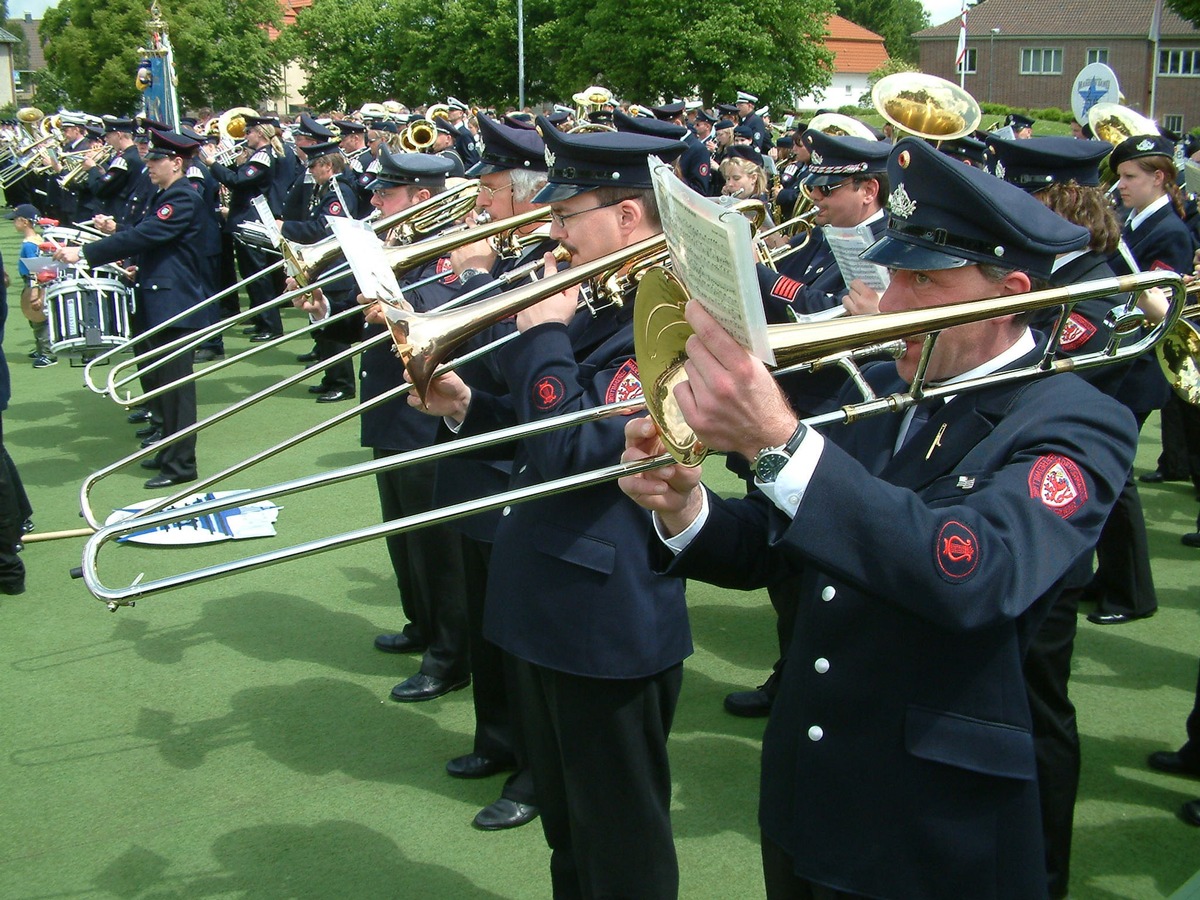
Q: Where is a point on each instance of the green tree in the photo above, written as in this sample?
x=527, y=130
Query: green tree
x=223, y=54
x=1189, y=9
x=893, y=20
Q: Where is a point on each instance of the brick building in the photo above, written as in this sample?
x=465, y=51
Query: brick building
x=1026, y=53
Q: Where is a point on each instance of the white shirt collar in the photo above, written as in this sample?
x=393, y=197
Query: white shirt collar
x=1066, y=258
x=1138, y=218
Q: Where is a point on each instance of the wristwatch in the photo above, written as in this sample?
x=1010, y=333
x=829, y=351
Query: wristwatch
x=769, y=461
x=466, y=274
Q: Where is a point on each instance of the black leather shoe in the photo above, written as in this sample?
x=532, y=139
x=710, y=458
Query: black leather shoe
x=147, y=431
x=1155, y=477
x=162, y=481
x=151, y=439
x=504, y=814
x=1117, y=618
x=1191, y=540
x=317, y=389
x=1172, y=762
x=251, y=329
x=425, y=687
x=399, y=643
x=263, y=337
x=138, y=415
x=310, y=356
x=749, y=704
x=13, y=589
x=474, y=766
x=1190, y=812
x=151, y=462
x=335, y=397
x=204, y=354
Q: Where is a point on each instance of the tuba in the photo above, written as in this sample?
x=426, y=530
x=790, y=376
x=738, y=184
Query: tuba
x=1114, y=123
x=926, y=106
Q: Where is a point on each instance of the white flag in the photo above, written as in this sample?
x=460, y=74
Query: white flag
x=961, y=56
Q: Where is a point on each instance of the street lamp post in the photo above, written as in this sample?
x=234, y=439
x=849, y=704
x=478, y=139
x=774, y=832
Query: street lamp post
x=991, y=61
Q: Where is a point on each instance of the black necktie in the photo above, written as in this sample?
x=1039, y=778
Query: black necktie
x=922, y=413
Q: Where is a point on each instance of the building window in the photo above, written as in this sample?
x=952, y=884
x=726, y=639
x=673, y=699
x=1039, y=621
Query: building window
x=1179, y=62
x=1173, y=123
x=970, y=58
x=1041, y=61
x=1097, y=55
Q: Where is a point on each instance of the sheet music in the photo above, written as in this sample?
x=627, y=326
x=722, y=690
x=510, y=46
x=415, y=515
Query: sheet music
x=848, y=245
x=364, y=253
x=712, y=254
x=1191, y=176
x=268, y=219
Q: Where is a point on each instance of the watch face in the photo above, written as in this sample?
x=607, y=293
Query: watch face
x=770, y=464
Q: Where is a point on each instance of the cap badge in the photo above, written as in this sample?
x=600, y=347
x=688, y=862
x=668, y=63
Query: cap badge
x=900, y=203
x=549, y=158
x=815, y=158
x=1145, y=144
x=903, y=159
x=479, y=148
x=1000, y=170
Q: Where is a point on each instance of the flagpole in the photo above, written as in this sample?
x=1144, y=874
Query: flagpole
x=961, y=56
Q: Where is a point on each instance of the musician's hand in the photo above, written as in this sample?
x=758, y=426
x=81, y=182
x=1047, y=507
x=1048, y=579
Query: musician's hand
x=87, y=161
x=313, y=303
x=730, y=399
x=861, y=299
x=555, y=308
x=478, y=255
x=208, y=153
x=37, y=302
x=224, y=211
x=106, y=224
x=1154, y=303
x=448, y=396
x=673, y=491
x=69, y=255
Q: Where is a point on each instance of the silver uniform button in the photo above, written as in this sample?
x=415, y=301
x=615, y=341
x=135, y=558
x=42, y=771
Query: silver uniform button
x=815, y=733
x=506, y=511
x=521, y=471
x=821, y=665
x=828, y=593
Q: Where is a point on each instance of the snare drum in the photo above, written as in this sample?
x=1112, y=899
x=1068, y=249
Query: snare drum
x=89, y=313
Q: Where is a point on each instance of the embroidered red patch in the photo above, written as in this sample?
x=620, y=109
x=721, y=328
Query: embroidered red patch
x=165, y=211
x=547, y=393
x=1077, y=332
x=251, y=171
x=335, y=208
x=443, y=266
x=785, y=288
x=625, y=384
x=1159, y=264
x=703, y=170
x=1059, y=484
x=957, y=551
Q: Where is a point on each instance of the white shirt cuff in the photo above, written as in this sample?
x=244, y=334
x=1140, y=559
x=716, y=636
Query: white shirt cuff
x=679, y=542
x=313, y=320
x=787, y=490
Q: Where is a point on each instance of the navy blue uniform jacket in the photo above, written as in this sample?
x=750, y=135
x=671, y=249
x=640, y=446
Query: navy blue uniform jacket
x=898, y=761
x=570, y=587
x=1163, y=241
x=167, y=247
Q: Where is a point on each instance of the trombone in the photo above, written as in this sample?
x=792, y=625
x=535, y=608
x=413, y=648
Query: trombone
x=508, y=278
x=660, y=334
x=306, y=262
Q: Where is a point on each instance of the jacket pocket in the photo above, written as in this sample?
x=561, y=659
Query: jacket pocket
x=977, y=745
x=573, y=547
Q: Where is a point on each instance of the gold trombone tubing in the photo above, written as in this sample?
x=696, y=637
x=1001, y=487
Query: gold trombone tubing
x=660, y=367
x=401, y=259
x=85, y=490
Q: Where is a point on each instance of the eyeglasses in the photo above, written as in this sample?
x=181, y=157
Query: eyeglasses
x=561, y=220
x=824, y=190
x=492, y=192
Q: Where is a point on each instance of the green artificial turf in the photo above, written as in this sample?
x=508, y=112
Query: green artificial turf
x=234, y=739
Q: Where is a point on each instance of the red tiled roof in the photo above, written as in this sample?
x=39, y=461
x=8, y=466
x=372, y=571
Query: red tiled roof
x=1066, y=18
x=856, y=50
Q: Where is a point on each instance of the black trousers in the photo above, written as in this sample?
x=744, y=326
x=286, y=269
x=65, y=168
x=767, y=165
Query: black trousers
x=428, y=564
x=1124, y=582
x=339, y=376
x=1180, y=457
x=783, y=883
x=1190, y=751
x=1055, y=733
x=14, y=510
x=498, y=732
x=263, y=289
x=598, y=751
x=174, y=410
